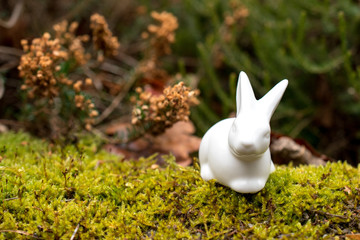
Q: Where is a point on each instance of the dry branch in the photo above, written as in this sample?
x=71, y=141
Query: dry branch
x=75, y=231
x=20, y=232
x=117, y=100
x=10, y=51
x=14, y=15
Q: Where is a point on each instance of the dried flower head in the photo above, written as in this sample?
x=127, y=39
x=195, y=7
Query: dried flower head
x=103, y=38
x=160, y=38
x=88, y=107
x=40, y=66
x=162, y=35
x=238, y=14
x=157, y=113
x=73, y=43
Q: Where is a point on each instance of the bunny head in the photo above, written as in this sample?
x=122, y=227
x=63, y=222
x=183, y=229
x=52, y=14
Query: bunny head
x=250, y=132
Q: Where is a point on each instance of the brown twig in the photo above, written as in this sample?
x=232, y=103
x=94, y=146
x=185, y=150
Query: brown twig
x=96, y=81
x=9, y=65
x=329, y=214
x=9, y=199
x=11, y=51
x=10, y=56
x=12, y=123
x=116, y=101
x=127, y=59
x=21, y=232
x=112, y=68
x=74, y=234
x=14, y=15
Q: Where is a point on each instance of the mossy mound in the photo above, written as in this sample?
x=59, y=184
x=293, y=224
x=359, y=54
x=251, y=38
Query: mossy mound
x=49, y=192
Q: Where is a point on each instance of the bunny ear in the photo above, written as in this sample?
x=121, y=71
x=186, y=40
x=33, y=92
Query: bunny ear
x=245, y=97
x=271, y=100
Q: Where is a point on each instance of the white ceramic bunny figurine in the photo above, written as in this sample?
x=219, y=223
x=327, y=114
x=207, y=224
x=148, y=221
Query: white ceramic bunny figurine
x=235, y=151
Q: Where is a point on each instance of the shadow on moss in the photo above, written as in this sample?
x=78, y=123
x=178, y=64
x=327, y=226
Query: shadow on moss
x=51, y=193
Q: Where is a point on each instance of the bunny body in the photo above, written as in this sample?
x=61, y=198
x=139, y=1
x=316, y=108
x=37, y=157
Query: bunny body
x=247, y=175
x=235, y=151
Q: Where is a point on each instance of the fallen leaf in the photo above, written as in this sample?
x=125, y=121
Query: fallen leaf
x=154, y=166
x=113, y=88
x=347, y=190
x=353, y=236
x=177, y=140
x=155, y=81
x=3, y=128
x=117, y=127
x=121, y=150
x=285, y=149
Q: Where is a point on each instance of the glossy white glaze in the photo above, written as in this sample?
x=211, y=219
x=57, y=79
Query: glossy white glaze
x=235, y=151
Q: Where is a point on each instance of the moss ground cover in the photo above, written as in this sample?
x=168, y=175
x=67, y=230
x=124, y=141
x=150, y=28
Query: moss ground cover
x=79, y=191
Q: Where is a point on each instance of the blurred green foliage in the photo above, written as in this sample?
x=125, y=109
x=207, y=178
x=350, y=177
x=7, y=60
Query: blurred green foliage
x=314, y=44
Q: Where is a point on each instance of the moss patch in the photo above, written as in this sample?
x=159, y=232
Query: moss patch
x=50, y=192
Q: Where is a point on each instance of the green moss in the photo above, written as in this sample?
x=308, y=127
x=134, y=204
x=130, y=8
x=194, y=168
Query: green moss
x=47, y=192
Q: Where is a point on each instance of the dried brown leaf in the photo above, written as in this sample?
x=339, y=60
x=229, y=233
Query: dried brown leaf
x=353, y=236
x=177, y=140
x=347, y=190
x=285, y=149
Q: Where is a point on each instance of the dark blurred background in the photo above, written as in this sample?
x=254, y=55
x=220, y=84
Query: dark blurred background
x=314, y=44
